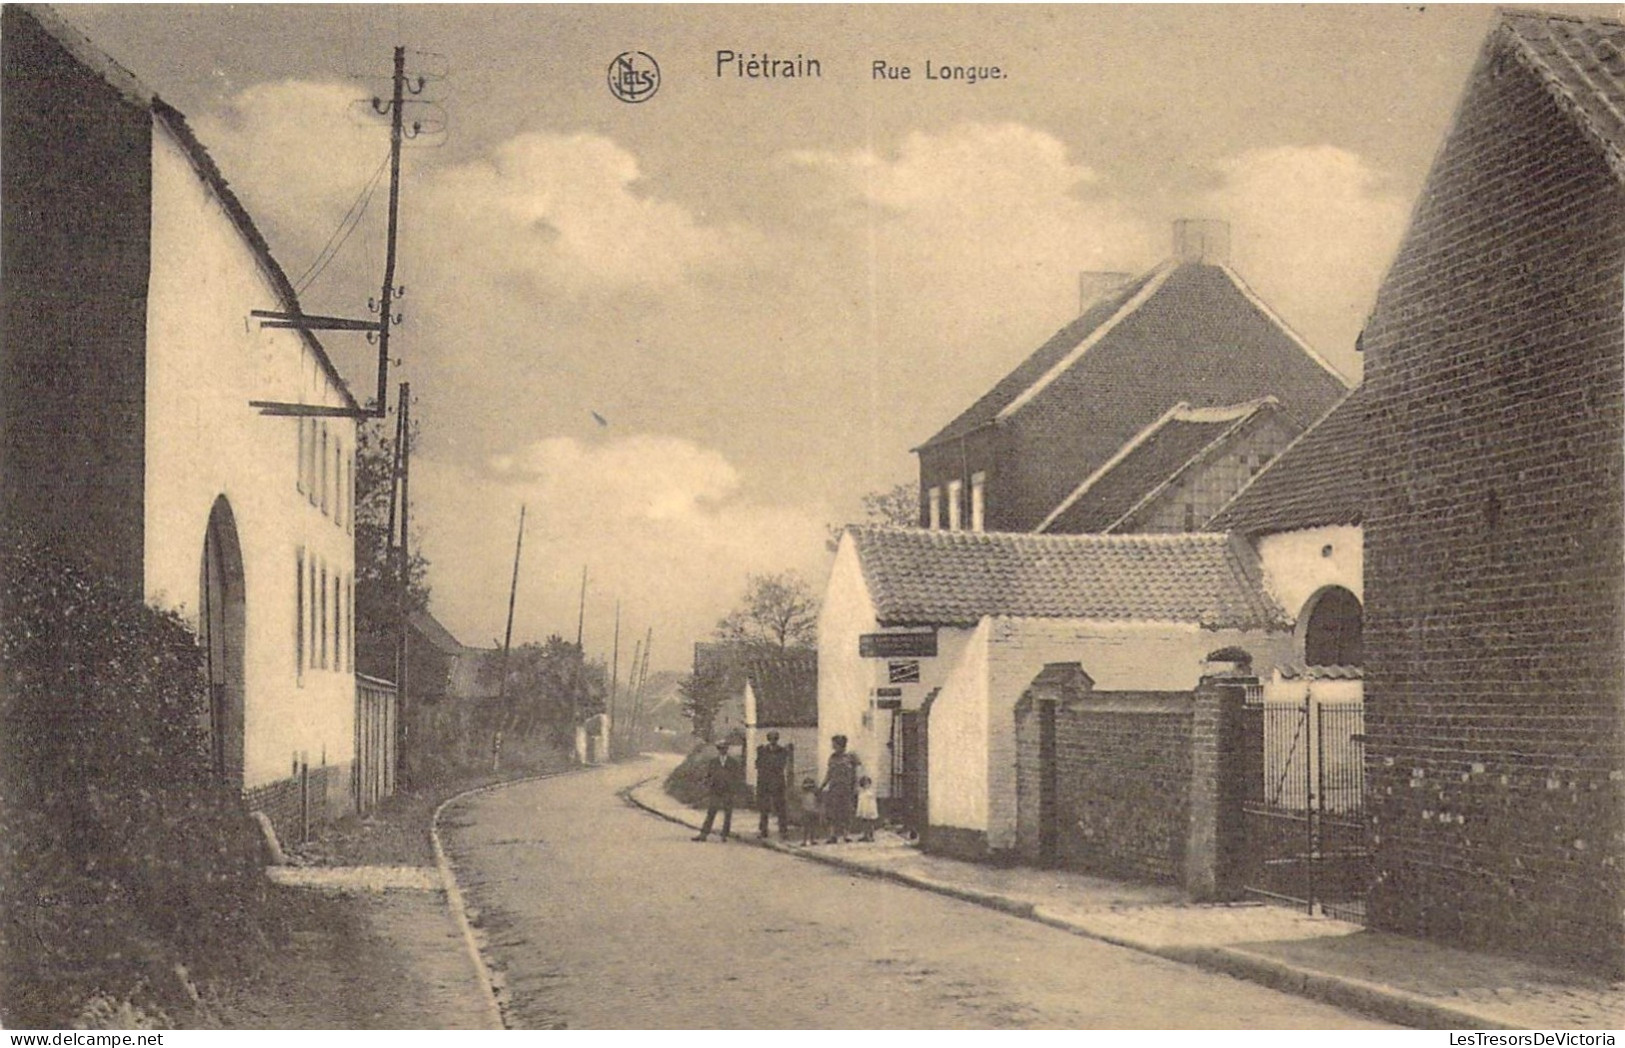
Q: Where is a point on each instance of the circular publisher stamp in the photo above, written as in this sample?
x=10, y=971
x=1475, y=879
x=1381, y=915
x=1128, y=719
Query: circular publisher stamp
x=634, y=76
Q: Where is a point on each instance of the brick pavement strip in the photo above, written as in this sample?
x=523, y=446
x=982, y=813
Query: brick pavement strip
x=1251, y=942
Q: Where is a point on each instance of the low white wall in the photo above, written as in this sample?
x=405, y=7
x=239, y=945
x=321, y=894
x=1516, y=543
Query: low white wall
x=958, y=744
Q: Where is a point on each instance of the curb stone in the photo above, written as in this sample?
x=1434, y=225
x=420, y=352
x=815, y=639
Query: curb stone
x=1377, y=1001
x=491, y=983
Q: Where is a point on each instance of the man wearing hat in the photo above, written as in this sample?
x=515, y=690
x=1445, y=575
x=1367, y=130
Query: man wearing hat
x=772, y=793
x=721, y=775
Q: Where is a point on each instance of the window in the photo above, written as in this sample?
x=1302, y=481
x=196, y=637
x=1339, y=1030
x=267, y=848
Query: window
x=324, y=481
x=978, y=497
x=307, y=462
x=310, y=619
x=349, y=623
x=338, y=482
x=954, y=508
x=338, y=622
x=322, y=626
x=934, y=508
x=303, y=439
x=299, y=620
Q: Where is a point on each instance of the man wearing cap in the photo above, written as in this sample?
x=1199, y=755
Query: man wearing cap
x=772, y=793
x=721, y=774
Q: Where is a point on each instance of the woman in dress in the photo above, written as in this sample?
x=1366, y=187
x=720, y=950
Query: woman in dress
x=840, y=790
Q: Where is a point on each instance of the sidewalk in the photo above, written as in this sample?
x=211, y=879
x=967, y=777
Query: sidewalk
x=1388, y=976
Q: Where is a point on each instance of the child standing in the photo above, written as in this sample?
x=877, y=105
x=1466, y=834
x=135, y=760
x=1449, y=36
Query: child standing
x=868, y=808
x=809, y=810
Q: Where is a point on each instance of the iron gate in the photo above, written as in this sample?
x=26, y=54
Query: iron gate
x=1304, y=803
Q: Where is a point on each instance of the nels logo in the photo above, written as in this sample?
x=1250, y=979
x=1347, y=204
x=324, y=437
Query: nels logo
x=634, y=76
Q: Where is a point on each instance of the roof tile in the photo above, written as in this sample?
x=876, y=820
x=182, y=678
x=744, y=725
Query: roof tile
x=921, y=577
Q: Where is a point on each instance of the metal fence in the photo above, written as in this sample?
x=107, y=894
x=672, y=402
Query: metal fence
x=1304, y=809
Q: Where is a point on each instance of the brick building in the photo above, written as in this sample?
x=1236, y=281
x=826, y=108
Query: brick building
x=1494, y=538
x=1190, y=331
x=130, y=272
x=1177, y=472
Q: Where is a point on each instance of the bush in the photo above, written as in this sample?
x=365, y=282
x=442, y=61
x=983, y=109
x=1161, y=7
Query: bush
x=687, y=781
x=124, y=861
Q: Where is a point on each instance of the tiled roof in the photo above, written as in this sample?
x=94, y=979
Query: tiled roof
x=1582, y=63
x=918, y=577
x=1316, y=481
x=786, y=688
x=1148, y=463
x=102, y=65
x=431, y=630
x=1191, y=332
x=1296, y=672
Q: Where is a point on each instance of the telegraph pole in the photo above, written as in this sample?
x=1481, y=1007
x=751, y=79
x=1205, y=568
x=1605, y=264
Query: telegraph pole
x=507, y=642
x=614, y=669
x=403, y=568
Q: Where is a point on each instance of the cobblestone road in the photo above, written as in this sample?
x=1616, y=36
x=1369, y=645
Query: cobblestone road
x=600, y=916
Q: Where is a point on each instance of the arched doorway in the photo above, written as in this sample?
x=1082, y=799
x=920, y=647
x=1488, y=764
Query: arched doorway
x=220, y=629
x=1331, y=635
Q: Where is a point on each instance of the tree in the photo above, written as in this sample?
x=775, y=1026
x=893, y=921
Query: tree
x=703, y=692
x=898, y=506
x=377, y=574
x=552, y=688
x=778, y=611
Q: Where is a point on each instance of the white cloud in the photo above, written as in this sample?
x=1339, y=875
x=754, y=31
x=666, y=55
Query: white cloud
x=660, y=522
x=566, y=210
x=298, y=153
x=1314, y=228
x=972, y=238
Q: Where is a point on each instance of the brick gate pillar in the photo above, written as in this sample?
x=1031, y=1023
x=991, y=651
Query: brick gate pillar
x=1216, y=840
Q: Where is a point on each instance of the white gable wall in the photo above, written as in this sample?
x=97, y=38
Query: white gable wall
x=1297, y=564
x=847, y=682
x=206, y=360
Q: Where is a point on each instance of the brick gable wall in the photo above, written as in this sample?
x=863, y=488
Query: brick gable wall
x=77, y=186
x=1493, y=542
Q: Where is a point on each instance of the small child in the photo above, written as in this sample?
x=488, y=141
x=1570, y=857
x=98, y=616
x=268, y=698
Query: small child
x=809, y=810
x=868, y=808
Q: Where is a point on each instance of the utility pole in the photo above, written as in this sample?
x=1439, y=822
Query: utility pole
x=615, y=669
x=402, y=495
x=401, y=85
x=507, y=642
x=643, y=677
x=581, y=612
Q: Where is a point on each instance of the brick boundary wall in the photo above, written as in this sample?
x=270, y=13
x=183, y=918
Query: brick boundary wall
x=331, y=797
x=1494, y=544
x=1123, y=783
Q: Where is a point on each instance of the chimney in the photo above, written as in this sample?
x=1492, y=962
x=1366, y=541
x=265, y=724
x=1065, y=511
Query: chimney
x=1204, y=240
x=1094, y=286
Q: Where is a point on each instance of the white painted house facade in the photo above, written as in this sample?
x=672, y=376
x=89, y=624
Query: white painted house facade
x=239, y=520
x=1139, y=613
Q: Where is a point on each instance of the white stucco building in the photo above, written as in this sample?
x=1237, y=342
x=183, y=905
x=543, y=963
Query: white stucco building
x=927, y=640
x=131, y=275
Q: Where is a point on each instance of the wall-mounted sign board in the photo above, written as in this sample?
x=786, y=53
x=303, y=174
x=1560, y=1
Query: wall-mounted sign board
x=916, y=645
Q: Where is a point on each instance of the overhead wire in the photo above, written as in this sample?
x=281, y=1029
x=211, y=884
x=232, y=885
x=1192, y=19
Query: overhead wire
x=347, y=225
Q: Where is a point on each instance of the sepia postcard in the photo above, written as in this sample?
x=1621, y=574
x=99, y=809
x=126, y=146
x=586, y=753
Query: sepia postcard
x=798, y=517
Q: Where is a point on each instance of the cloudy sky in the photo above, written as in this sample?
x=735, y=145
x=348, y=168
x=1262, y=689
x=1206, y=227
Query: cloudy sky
x=772, y=289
